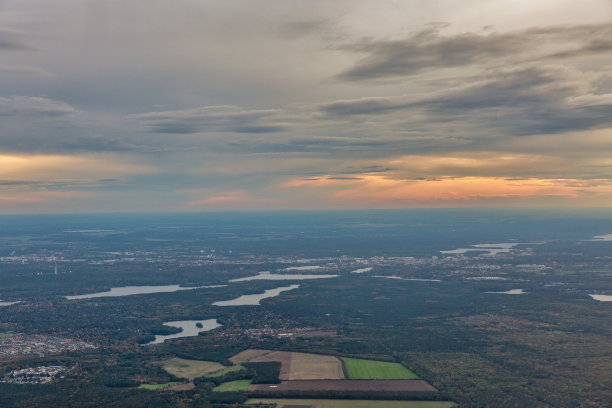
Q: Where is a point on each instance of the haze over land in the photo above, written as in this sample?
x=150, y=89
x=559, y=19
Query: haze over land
x=191, y=106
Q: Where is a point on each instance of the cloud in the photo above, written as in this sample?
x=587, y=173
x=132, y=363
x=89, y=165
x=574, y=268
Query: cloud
x=23, y=70
x=518, y=101
x=233, y=199
x=382, y=191
x=46, y=167
x=302, y=28
x=12, y=41
x=34, y=105
x=213, y=119
x=428, y=49
x=42, y=124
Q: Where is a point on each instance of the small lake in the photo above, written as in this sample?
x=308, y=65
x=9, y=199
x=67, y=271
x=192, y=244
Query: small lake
x=490, y=249
x=407, y=279
x=138, y=290
x=304, y=268
x=188, y=327
x=280, y=276
x=7, y=303
x=602, y=298
x=253, y=300
x=607, y=237
x=362, y=270
x=511, y=292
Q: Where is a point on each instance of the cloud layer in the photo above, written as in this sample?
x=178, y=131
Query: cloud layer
x=217, y=105
x=429, y=49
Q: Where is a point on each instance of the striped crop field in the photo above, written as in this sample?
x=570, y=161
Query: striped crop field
x=359, y=369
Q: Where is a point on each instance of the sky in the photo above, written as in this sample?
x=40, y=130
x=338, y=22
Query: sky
x=203, y=105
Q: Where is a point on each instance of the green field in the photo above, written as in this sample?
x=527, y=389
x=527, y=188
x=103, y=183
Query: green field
x=3, y=335
x=158, y=386
x=335, y=403
x=238, y=385
x=191, y=369
x=226, y=371
x=358, y=369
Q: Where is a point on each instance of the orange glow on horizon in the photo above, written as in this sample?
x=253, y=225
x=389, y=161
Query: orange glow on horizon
x=376, y=189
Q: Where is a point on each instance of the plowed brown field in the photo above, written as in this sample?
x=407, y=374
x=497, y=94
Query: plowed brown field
x=346, y=385
x=296, y=366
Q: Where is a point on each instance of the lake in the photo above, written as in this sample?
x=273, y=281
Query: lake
x=602, y=298
x=7, y=303
x=607, y=237
x=304, y=268
x=511, y=292
x=188, y=327
x=407, y=279
x=490, y=249
x=280, y=276
x=138, y=290
x=253, y=300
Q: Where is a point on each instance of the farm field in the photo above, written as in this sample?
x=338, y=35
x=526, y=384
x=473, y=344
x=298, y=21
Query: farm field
x=359, y=369
x=248, y=355
x=238, y=385
x=343, y=385
x=158, y=386
x=305, y=366
x=337, y=403
x=296, y=366
x=226, y=371
x=191, y=369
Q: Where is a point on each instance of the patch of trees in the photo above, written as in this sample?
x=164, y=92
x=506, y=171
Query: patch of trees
x=264, y=373
x=228, y=397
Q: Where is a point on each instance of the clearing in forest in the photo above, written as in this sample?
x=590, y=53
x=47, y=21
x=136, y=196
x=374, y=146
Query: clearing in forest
x=296, y=366
x=233, y=386
x=314, y=367
x=358, y=369
x=191, y=369
x=153, y=387
x=319, y=386
x=248, y=355
x=226, y=370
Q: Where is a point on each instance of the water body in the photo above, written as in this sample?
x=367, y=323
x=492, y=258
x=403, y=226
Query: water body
x=362, y=270
x=8, y=303
x=511, y=292
x=253, y=300
x=88, y=231
x=407, y=279
x=304, y=268
x=602, y=298
x=278, y=276
x=138, y=290
x=491, y=249
x=607, y=237
x=188, y=327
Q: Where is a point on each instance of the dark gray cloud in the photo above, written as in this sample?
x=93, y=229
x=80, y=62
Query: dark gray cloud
x=53, y=141
x=427, y=49
x=92, y=144
x=41, y=124
x=93, y=184
x=23, y=70
x=519, y=101
x=296, y=29
x=12, y=41
x=326, y=145
x=365, y=106
x=213, y=119
x=34, y=105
